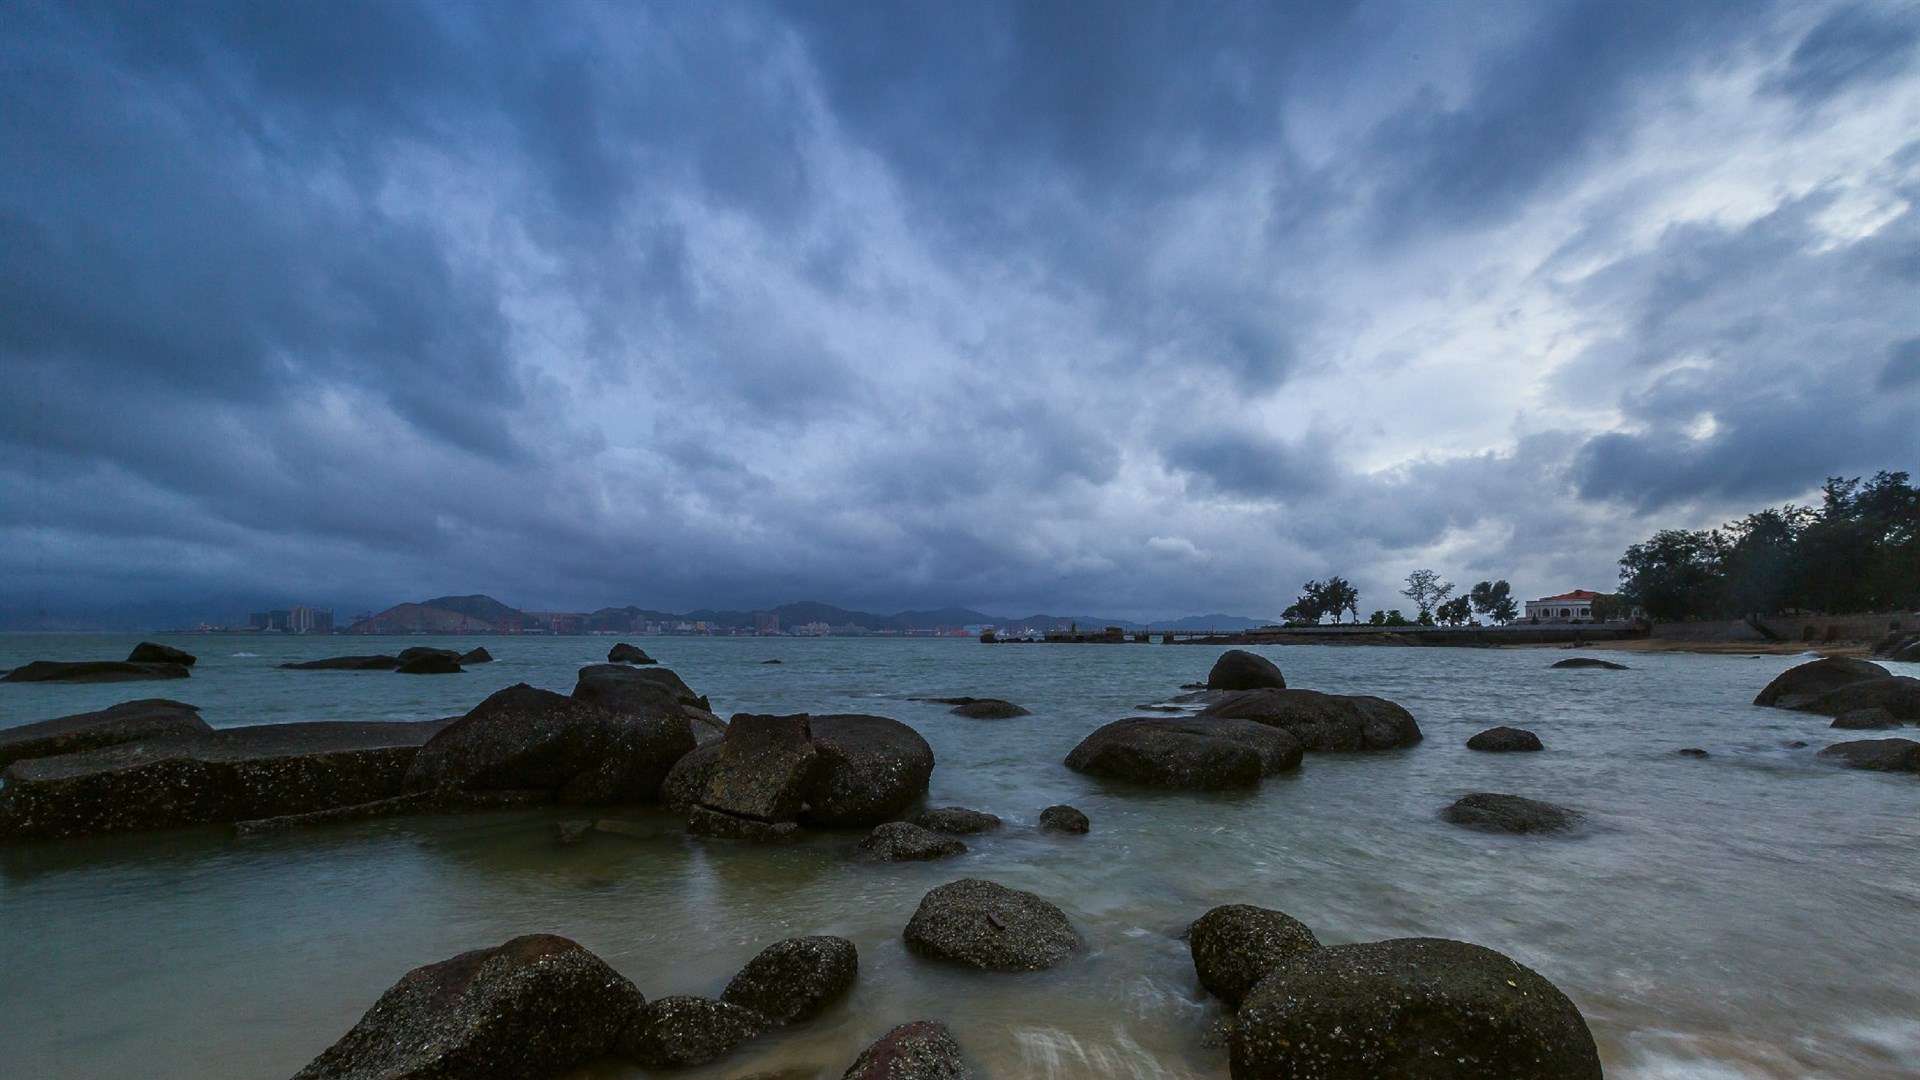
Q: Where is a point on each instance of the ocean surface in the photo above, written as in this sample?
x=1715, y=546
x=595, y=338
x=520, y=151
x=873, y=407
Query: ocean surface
x=1753, y=914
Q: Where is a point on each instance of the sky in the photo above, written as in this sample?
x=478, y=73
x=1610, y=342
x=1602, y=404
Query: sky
x=1129, y=309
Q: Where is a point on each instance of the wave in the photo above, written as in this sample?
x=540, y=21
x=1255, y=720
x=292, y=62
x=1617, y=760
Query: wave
x=246, y=655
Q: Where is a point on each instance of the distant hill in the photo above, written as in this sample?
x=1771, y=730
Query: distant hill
x=444, y=615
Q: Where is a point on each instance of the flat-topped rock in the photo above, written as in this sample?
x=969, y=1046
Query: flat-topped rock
x=957, y=820
x=1238, y=669
x=1588, y=662
x=436, y=662
x=231, y=774
x=1877, y=755
x=1817, y=677
x=94, y=671
x=1493, y=812
x=421, y=652
x=536, y=1006
x=983, y=924
x=1323, y=722
x=900, y=841
x=377, y=662
x=988, y=709
x=128, y=721
x=763, y=769
x=1190, y=753
x=152, y=652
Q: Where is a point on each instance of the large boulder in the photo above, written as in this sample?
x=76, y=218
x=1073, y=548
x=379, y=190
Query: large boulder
x=1878, y=755
x=1501, y=740
x=795, y=979
x=152, y=652
x=921, y=1050
x=1238, y=669
x=1234, y=945
x=375, y=662
x=420, y=652
x=624, y=653
x=680, y=791
x=476, y=655
x=1588, y=662
x=1425, y=1007
x=1491, y=812
x=763, y=768
x=1899, y=695
x=648, y=692
x=1865, y=720
x=93, y=671
x=1816, y=677
x=128, y=721
x=957, y=820
x=233, y=774
x=536, y=1006
x=900, y=841
x=432, y=662
x=1902, y=645
x=680, y=1031
x=1324, y=721
x=983, y=924
x=1187, y=753
x=871, y=768
x=1062, y=818
x=522, y=738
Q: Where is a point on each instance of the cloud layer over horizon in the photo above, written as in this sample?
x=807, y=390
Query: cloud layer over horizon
x=1136, y=310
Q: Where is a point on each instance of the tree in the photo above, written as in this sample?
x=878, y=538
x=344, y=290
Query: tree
x=1311, y=605
x=1674, y=575
x=1338, y=595
x=1494, y=599
x=1426, y=590
x=1455, y=612
x=1378, y=618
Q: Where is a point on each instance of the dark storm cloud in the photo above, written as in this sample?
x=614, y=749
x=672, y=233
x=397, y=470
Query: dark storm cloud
x=1065, y=305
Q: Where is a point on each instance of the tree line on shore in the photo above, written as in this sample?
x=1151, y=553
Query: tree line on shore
x=1428, y=593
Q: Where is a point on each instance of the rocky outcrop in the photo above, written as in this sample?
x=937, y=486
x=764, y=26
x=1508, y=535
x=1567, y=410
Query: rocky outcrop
x=191, y=779
x=477, y=655
x=346, y=663
x=985, y=925
x=763, y=768
x=1505, y=740
x=1899, y=695
x=1814, y=678
x=1877, y=755
x=921, y=1050
x=1323, y=722
x=1234, y=945
x=419, y=652
x=1899, y=645
x=900, y=841
x=1589, y=662
x=1238, y=669
x=1425, y=1007
x=988, y=709
x=653, y=691
x=525, y=738
x=1872, y=719
x=148, y=718
x=680, y=791
x=795, y=980
x=1064, y=819
x=435, y=662
x=1191, y=753
x=680, y=1031
x=624, y=653
x=93, y=671
x=957, y=820
x=151, y=652
x=1490, y=812
x=535, y=1006
x=871, y=769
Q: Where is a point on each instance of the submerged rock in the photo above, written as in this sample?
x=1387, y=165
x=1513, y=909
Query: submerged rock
x=1324, y=721
x=795, y=979
x=900, y=841
x=988, y=709
x=128, y=721
x=1490, y=812
x=151, y=652
x=719, y=825
x=1064, y=819
x=956, y=819
x=1238, y=669
x=682, y=1030
x=1866, y=719
x=93, y=671
x=1505, y=740
x=985, y=925
x=921, y=1050
x=1191, y=753
x=1695, y=752
x=346, y=663
x=569, y=833
x=535, y=1006
x=1410, y=1007
x=1816, y=677
x=1878, y=755
x=1589, y=662
x=624, y=653
x=1234, y=945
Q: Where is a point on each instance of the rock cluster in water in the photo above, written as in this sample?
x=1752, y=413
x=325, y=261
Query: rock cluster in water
x=1835, y=686
x=416, y=660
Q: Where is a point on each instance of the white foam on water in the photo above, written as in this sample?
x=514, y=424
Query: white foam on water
x=246, y=655
x=1057, y=1055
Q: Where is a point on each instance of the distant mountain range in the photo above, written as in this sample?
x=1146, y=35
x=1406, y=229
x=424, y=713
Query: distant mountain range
x=484, y=615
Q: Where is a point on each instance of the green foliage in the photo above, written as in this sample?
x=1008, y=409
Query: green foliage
x=1455, y=612
x=1318, y=599
x=1426, y=590
x=1494, y=599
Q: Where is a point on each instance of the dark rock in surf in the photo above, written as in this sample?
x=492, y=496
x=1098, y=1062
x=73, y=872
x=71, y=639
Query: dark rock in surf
x=796, y=979
x=719, y=825
x=1816, y=677
x=1238, y=669
x=1062, y=818
x=93, y=671
x=921, y=1050
x=1323, y=722
x=436, y=662
x=1426, y=1007
x=773, y=661
x=681, y=1031
x=988, y=709
x=1692, y=751
x=900, y=841
x=149, y=652
x=535, y=1006
x=763, y=769
x=985, y=925
x=1490, y=812
x=624, y=653
x=1877, y=755
x=129, y=721
x=1234, y=945
x=420, y=652
x=871, y=768
x=680, y=791
x=346, y=663
x=476, y=656
x=1505, y=740
x=957, y=820
x=1194, y=753
x=649, y=692
x=1899, y=695
x=569, y=833
x=1865, y=720
x=1589, y=662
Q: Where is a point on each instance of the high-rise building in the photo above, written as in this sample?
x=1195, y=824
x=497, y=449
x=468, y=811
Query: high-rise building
x=766, y=622
x=305, y=620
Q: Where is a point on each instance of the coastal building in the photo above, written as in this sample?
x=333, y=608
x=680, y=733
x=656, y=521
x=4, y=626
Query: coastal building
x=766, y=622
x=1569, y=607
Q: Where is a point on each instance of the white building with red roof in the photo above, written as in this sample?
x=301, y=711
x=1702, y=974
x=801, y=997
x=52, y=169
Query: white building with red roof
x=1575, y=606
